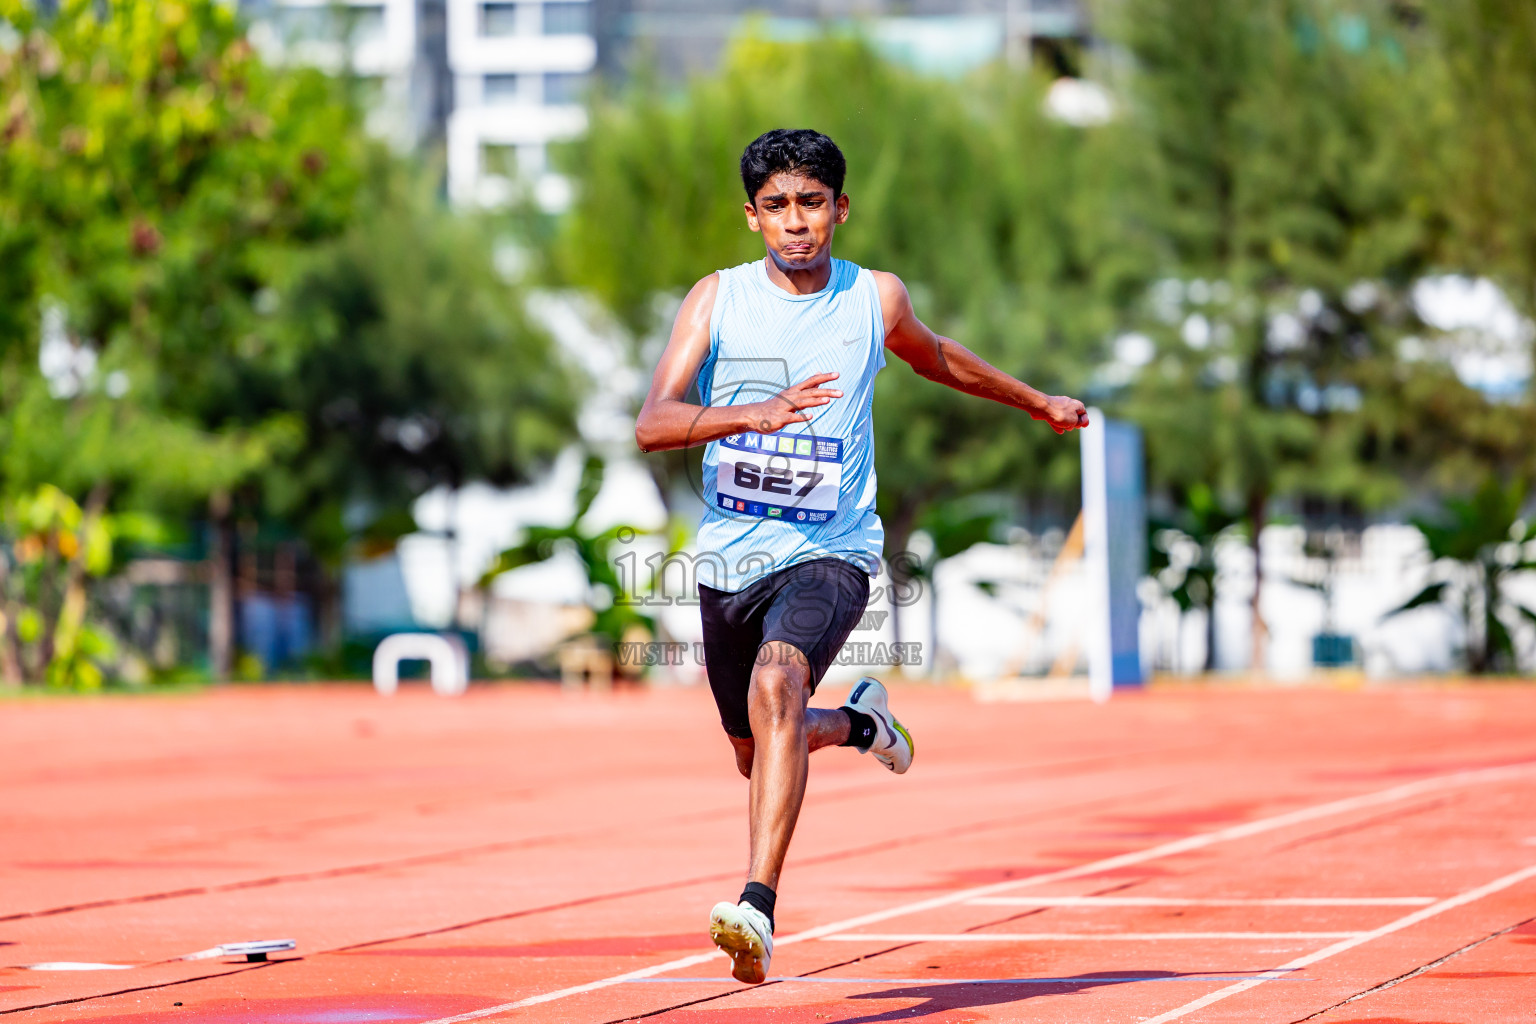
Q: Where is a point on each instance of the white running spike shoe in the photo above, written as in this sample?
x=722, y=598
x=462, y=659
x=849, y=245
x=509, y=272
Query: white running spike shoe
x=746, y=936
x=893, y=744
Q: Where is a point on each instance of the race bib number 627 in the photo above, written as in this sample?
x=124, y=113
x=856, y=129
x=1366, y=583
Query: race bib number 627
x=780, y=476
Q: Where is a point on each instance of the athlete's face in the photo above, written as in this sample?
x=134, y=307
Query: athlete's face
x=797, y=216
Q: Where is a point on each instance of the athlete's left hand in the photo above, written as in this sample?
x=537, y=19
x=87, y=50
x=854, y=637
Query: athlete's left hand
x=1063, y=413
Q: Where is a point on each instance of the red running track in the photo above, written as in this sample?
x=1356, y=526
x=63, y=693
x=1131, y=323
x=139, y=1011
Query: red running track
x=522, y=855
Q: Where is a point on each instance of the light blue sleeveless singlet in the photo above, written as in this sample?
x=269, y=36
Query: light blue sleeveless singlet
x=808, y=490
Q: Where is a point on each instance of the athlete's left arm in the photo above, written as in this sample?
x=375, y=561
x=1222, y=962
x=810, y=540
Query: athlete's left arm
x=950, y=363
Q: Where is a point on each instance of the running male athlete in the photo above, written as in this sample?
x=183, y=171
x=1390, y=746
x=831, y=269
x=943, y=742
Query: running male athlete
x=789, y=488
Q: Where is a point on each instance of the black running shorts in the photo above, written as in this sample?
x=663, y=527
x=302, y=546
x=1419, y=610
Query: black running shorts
x=813, y=605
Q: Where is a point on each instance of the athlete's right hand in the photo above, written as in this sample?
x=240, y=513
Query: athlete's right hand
x=789, y=405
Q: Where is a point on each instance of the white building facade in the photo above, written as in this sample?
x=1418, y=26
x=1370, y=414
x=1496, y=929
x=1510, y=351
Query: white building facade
x=521, y=69
x=498, y=80
x=377, y=40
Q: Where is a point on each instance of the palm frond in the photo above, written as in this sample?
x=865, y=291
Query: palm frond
x=1431, y=594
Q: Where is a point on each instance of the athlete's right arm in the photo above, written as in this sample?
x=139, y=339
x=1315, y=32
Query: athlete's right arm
x=667, y=421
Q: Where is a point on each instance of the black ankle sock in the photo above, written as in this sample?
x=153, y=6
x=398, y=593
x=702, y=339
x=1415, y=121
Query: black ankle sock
x=861, y=729
x=758, y=895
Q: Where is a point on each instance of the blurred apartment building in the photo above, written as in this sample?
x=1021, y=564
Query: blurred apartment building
x=496, y=82
x=493, y=81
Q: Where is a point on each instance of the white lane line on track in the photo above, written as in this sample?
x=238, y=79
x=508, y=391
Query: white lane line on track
x=1087, y=981
x=1303, y=815
x=1072, y=936
x=1461, y=899
x=1174, y=901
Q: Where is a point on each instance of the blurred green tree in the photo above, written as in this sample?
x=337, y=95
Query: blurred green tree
x=154, y=177
x=1482, y=173
x=407, y=361
x=1276, y=140
x=223, y=299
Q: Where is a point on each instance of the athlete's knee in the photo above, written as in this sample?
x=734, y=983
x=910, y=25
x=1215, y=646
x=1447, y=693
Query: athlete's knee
x=777, y=695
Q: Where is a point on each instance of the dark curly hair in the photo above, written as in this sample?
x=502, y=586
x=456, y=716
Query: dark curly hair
x=792, y=149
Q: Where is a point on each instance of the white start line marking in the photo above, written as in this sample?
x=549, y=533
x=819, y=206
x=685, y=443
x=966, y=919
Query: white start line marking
x=1072, y=936
x=1095, y=980
x=1173, y=901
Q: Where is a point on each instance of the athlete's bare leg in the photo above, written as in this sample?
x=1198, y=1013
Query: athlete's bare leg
x=776, y=759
